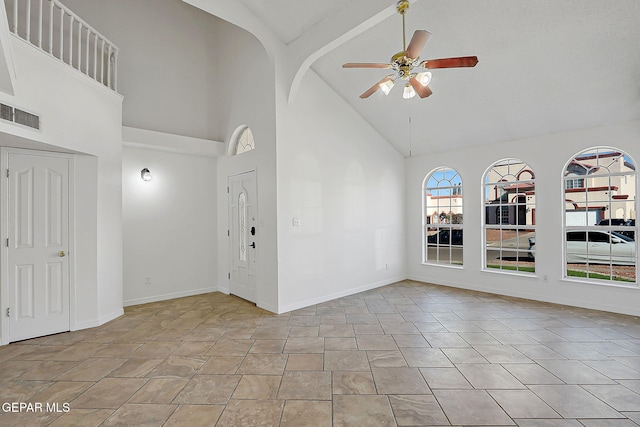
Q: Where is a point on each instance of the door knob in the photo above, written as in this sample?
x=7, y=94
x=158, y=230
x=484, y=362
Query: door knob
x=61, y=254
x=253, y=245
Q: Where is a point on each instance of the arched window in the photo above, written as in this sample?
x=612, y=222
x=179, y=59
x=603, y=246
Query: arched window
x=510, y=216
x=600, y=213
x=242, y=140
x=442, y=217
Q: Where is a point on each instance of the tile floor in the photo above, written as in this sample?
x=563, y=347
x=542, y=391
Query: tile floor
x=406, y=354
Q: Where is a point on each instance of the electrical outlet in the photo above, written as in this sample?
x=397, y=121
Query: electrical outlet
x=147, y=280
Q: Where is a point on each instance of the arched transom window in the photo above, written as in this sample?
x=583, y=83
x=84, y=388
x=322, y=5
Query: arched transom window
x=600, y=216
x=442, y=217
x=244, y=141
x=510, y=216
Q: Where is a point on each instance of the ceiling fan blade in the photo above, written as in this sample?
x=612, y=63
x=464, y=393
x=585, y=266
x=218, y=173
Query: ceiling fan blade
x=422, y=90
x=374, y=88
x=417, y=43
x=365, y=65
x=463, y=61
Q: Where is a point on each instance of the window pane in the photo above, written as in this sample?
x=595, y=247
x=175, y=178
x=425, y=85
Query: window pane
x=600, y=216
x=443, y=233
x=509, y=208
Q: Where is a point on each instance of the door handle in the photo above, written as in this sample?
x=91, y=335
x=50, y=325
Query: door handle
x=61, y=254
x=253, y=245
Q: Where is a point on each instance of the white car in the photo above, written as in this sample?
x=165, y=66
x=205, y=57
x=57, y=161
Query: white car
x=602, y=247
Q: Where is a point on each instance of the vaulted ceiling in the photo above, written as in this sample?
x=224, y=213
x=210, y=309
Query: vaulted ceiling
x=545, y=66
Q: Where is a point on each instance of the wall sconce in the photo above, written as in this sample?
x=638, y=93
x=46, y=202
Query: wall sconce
x=145, y=174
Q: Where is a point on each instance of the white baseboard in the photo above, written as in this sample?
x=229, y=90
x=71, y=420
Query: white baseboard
x=97, y=322
x=163, y=297
x=325, y=298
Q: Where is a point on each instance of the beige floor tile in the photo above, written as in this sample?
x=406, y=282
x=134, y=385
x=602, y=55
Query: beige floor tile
x=214, y=357
x=141, y=415
x=195, y=416
x=336, y=330
x=178, y=367
x=306, y=413
x=471, y=407
x=135, y=368
x=263, y=364
x=267, y=346
x=304, y=345
x=61, y=392
x=93, y=369
x=192, y=348
x=522, y=404
x=445, y=378
x=331, y=343
x=159, y=390
x=82, y=417
x=362, y=410
x=221, y=365
x=226, y=347
x=353, y=383
x=386, y=359
x=417, y=410
x=47, y=370
x=208, y=390
x=108, y=393
x=305, y=362
x=257, y=387
x=305, y=385
x=399, y=381
x=346, y=361
x=251, y=413
x=571, y=401
x=376, y=342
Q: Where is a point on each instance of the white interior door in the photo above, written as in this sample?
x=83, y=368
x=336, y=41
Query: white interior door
x=243, y=234
x=38, y=240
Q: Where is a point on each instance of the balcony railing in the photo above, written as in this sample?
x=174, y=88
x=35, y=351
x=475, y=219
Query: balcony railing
x=57, y=31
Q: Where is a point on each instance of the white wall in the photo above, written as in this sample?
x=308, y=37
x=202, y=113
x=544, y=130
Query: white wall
x=166, y=65
x=345, y=184
x=249, y=99
x=78, y=115
x=169, y=225
x=547, y=155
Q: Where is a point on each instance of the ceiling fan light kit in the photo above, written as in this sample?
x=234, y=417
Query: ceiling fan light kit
x=404, y=62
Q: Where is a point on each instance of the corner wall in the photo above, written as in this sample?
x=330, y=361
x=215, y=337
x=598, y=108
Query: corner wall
x=547, y=155
x=169, y=225
x=341, y=204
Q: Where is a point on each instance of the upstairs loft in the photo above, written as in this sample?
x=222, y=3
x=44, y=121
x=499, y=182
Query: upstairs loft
x=58, y=32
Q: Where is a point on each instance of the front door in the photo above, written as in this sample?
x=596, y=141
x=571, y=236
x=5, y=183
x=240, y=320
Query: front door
x=242, y=235
x=38, y=240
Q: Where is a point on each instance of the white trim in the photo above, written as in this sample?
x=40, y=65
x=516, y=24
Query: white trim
x=161, y=141
x=163, y=297
x=101, y=321
x=516, y=293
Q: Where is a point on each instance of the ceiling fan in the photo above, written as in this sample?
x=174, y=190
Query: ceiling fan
x=403, y=64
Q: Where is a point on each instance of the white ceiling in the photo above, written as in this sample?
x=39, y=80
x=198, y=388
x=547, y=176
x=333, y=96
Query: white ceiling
x=545, y=66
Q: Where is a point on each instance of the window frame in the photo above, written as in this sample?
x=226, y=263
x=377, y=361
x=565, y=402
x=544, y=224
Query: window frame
x=598, y=151
x=520, y=267
x=457, y=191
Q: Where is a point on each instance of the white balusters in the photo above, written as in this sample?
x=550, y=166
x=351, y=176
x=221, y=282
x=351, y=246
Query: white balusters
x=73, y=41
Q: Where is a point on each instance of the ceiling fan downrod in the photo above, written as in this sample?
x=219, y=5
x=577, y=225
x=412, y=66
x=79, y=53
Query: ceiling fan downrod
x=402, y=7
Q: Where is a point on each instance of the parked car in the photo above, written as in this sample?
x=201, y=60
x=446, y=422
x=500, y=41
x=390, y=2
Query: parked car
x=443, y=237
x=623, y=226
x=602, y=247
